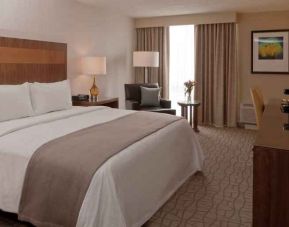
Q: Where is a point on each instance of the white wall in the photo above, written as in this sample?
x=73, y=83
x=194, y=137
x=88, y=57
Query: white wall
x=86, y=30
x=272, y=85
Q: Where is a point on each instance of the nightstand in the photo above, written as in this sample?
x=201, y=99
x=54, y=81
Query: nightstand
x=101, y=101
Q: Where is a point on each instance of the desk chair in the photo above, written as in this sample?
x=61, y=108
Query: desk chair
x=258, y=103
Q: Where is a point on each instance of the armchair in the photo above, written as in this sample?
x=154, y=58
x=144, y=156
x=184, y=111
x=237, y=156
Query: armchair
x=133, y=100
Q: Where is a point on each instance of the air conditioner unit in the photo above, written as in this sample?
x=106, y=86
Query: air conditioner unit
x=247, y=113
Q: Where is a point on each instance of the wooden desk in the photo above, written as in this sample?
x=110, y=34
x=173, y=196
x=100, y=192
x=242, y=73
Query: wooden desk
x=271, y=170
x=185, y=106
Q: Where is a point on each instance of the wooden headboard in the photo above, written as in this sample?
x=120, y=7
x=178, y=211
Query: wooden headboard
x=23, y=60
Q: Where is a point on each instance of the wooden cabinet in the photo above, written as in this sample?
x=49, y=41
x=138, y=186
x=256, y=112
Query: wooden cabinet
x=271, y=170
x=101, y=101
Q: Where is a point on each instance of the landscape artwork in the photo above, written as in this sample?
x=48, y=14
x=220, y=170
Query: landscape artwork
x=270, y=52
x=271, y=48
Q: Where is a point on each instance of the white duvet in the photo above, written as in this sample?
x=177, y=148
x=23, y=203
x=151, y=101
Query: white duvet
x=128, y=189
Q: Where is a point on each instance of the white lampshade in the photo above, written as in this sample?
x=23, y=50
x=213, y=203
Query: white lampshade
x=94, y=65
x=146, y=59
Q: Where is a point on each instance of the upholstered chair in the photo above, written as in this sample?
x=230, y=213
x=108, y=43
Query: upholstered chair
x=133, y=99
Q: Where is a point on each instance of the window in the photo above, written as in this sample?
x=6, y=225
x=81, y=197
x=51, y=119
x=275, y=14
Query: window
x=182, y=61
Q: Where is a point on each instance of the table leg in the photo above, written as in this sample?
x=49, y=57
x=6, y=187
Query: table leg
x=191, y=113
x=182, y=111
x=196, y=119
x=186, y=112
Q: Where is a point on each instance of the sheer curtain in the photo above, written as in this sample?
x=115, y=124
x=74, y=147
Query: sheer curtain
x=182, y=61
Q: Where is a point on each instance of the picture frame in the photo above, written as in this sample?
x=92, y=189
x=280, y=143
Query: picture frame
x=270, y=52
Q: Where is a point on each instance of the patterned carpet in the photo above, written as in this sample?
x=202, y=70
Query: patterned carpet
x=220, y=196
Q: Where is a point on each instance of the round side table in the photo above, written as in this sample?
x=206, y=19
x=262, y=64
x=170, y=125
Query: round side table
x=190, y=105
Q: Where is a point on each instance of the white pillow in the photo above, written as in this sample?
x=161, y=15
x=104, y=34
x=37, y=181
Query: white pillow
x=49, y=97
x=15, y=102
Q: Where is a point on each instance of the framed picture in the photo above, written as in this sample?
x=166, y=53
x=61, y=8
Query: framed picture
x=270, y=52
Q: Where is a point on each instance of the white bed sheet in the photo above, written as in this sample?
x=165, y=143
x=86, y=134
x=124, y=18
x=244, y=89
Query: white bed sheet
x=127, y=189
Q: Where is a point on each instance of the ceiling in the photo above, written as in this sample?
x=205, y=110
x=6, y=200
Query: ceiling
x=150, y=8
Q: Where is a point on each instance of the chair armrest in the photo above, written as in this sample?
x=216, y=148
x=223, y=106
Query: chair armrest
x=132, y=105
x=165, y=103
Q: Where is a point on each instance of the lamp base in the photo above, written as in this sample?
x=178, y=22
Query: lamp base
x=94, y=91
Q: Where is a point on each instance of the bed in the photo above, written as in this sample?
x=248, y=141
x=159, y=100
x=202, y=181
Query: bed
x=130, y=186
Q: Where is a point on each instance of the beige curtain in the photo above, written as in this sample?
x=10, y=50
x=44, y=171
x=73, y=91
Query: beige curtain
x=216, y=74
x=154, y=39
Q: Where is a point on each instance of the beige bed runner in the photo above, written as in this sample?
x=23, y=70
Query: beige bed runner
x=59, y=173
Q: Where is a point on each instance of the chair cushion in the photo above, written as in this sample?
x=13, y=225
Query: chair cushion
x=150, y=96
x=159, y=110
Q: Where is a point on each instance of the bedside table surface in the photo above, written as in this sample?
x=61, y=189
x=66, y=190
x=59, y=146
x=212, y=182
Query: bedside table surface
x=101, y=100
x=104, y=99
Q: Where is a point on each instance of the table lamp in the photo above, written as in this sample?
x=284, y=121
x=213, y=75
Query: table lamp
x=146, y=59
x=94, y=66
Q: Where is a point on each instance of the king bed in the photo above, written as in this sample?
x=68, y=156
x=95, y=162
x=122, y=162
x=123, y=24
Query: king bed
x=85, y=166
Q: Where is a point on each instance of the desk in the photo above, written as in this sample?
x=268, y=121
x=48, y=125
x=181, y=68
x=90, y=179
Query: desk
x=188, y=107
x=271, y=170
